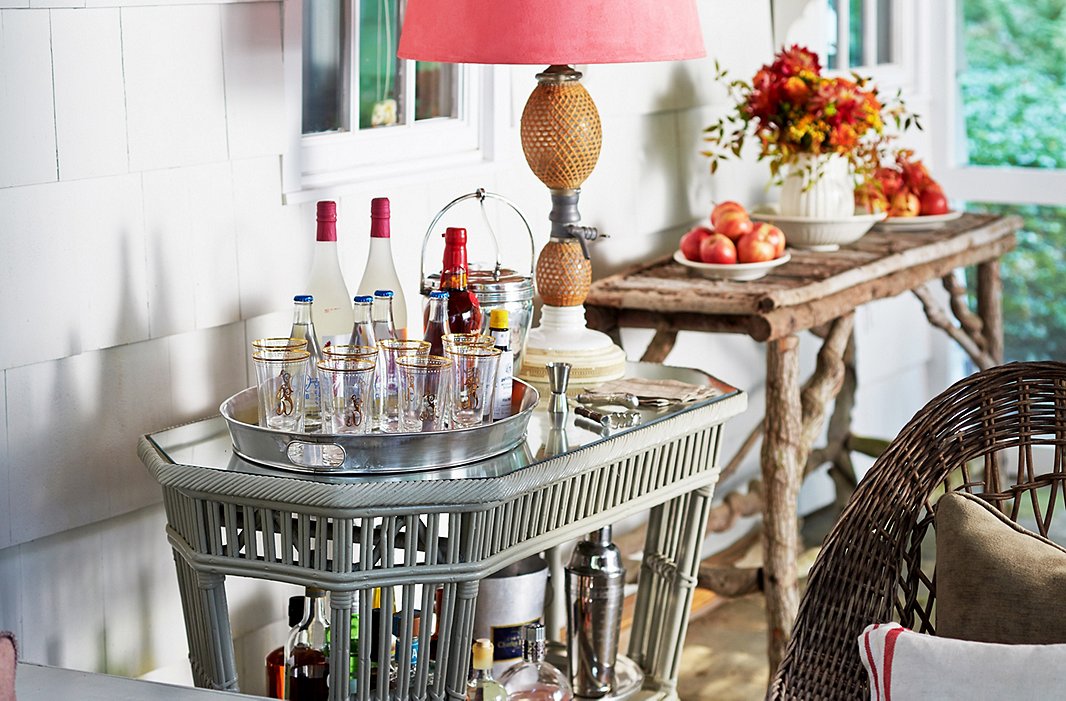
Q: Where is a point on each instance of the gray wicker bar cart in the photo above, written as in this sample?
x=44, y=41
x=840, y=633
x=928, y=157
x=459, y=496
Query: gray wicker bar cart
x=418, y=533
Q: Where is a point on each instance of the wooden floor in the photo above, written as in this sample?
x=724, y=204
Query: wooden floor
x=725, y=653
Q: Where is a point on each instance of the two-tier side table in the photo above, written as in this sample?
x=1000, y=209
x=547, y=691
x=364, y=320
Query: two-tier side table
x=411, y=532
x=818, y=292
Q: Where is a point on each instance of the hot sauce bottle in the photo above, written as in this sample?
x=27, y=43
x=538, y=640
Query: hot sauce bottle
x=464, y=310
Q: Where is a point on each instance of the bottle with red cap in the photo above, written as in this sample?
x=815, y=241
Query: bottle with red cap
x=464, y=309
x=380, y=272
x=333, y=306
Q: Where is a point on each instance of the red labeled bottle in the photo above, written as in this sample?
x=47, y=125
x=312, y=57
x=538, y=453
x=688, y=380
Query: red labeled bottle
x=464, y=310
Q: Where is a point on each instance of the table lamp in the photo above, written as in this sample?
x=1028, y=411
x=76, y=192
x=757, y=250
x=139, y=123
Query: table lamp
x=560, y=129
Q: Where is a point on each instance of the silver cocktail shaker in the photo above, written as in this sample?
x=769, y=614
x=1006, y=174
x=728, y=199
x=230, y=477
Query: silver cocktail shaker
x=594, y=590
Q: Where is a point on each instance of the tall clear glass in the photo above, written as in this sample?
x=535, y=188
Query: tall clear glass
x=423, y=392
x=392, y=349
x=281, y=376
x=472, y=383
x=347, y=394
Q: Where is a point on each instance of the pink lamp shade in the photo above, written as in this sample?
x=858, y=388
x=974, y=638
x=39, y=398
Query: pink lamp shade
x=548, y=32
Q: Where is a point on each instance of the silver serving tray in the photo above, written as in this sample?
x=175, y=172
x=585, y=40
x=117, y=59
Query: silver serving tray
x=373, y=453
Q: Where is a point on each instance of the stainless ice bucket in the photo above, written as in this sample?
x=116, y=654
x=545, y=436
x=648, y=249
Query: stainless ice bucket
x=498, y=288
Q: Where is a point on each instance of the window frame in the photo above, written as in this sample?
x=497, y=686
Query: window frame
x=1015, y=185
x=899, y=74
x=315, y=164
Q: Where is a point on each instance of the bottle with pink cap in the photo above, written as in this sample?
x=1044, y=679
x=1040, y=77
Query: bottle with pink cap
x=380, y=272
x=333, y=306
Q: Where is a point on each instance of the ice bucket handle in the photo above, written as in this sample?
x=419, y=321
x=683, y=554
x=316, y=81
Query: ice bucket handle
x=481, y=195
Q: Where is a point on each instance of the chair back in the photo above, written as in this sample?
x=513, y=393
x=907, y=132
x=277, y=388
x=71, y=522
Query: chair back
x=982, y=435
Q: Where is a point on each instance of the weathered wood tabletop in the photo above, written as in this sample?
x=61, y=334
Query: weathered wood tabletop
x=817, y=291
x=811, y=289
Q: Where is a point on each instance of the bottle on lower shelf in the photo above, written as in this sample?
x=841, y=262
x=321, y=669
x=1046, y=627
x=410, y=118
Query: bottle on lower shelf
x=481, y=685
x=307, y=652
x=534, y=678
x=275, y=660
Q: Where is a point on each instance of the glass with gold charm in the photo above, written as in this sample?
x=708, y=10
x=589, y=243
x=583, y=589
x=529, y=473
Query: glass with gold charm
x=347, y=387
x=472, y=381
x=281, y=376
x=423, y=392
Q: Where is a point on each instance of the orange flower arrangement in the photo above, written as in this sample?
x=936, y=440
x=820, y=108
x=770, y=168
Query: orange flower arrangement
x=793, y=109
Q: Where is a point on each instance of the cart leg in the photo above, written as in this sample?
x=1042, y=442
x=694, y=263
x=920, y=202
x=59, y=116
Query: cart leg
x=340, y=603
x=203, y=601
x=555, y=613
x=675, y=568
x=781, y=474
x=459, y=664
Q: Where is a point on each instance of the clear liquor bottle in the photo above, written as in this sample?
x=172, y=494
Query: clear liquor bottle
x=381, y=315
x=363, y=327
x=534, y=678
x=482, y=686
x=307, y=652
x=380, y=272
x=326, y=282
x=303, y=326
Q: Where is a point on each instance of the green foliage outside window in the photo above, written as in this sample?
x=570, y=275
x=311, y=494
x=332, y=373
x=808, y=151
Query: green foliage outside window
x=1013, y=86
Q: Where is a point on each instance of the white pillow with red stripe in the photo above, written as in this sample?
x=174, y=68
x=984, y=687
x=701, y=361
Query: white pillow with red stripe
x=906, y=666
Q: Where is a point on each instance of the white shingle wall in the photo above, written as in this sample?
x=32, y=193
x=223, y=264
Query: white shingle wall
x=143, y=243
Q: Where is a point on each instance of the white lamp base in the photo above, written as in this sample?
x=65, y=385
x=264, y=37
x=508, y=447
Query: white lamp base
x=563, y=336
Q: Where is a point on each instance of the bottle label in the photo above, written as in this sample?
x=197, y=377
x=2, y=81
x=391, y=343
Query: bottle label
x=507, y=641
x=501, y=403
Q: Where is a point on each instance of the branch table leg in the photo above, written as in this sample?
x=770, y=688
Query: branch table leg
x=661, y=345
x=990, y=307
x=781, y=474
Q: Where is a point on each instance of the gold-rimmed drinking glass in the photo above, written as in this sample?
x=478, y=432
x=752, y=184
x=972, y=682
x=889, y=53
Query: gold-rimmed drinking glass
x=452, y=340
x=281, y=377
x=471, y=385
x=347, y=394
x=423, y=392
x=388, y=383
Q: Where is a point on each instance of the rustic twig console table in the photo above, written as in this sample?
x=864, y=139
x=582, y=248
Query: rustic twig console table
x=817, y=292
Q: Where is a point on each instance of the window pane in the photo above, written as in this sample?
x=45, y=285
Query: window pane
x=380, y=82
x=324, y=92
x=1034, y=283
x=436, y=90
x=1013, y=82
x=879, y=23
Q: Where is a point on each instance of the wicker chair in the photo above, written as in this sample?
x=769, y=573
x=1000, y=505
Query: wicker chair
x=977, y=436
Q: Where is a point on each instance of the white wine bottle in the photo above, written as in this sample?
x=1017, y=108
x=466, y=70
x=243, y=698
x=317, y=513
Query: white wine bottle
x=380, y=272
x=333, y=306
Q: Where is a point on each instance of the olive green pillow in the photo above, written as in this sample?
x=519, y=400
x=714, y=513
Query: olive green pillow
x=996, y=582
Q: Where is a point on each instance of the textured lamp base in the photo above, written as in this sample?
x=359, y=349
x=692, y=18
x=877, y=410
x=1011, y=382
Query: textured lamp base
x=562, y=336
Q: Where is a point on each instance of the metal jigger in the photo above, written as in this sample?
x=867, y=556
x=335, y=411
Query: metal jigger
x=558, y=380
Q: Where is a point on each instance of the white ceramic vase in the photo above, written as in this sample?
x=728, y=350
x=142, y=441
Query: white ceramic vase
x=818, y=186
